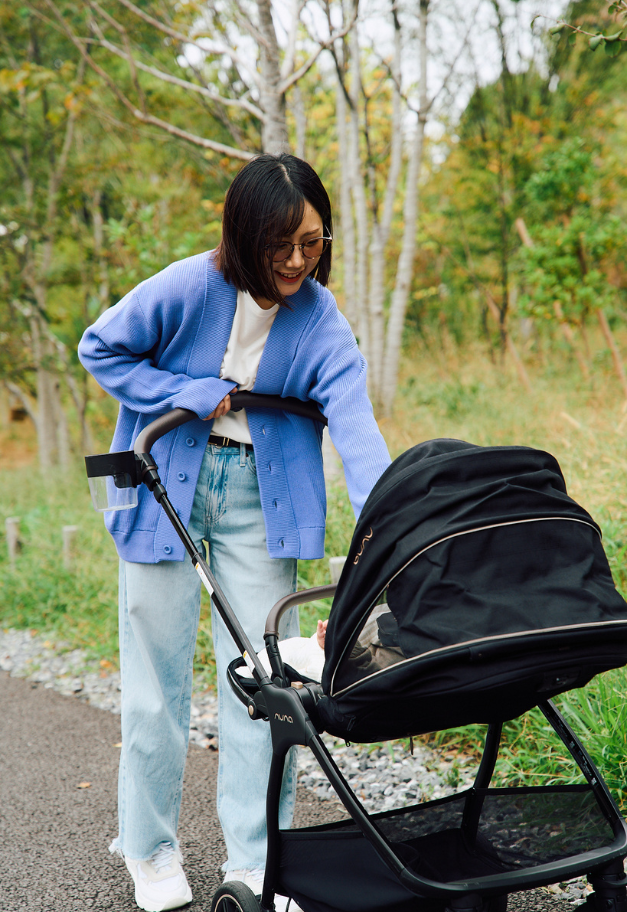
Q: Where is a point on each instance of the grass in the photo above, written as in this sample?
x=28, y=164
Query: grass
x=456, y=393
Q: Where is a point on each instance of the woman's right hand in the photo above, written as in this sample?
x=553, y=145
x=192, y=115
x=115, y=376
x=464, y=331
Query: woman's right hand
x=222, y=407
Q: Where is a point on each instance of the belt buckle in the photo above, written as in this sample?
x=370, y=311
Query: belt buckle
x=225, y=442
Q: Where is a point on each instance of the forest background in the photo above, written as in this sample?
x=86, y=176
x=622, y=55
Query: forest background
x=474, y=154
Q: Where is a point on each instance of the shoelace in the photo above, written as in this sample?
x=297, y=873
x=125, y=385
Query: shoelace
x=162, y=857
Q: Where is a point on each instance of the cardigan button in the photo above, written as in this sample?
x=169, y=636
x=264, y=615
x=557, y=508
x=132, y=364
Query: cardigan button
x=190, y=441
x=167, y=549
x=181, y=476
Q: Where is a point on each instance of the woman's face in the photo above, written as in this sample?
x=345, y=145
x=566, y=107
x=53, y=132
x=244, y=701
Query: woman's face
x=290, y=274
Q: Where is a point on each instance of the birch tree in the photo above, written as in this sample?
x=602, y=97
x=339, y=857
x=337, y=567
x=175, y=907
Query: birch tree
x=376, y=187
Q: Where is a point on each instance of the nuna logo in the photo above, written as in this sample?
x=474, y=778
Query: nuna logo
x=283, y=718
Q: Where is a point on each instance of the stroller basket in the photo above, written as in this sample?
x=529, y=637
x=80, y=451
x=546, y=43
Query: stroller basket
x=516, y=828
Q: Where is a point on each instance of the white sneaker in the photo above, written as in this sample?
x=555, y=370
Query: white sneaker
x=253, y=878
x=160, y=881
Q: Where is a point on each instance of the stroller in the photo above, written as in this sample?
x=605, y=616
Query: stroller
x=474, y=590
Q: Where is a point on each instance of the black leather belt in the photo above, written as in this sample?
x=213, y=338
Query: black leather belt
x=228, y=442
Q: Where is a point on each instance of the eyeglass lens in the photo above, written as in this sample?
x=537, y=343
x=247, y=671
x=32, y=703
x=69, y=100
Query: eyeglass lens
x=311, y=249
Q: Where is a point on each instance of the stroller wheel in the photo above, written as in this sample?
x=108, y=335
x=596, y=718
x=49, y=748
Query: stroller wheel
x=234, y=896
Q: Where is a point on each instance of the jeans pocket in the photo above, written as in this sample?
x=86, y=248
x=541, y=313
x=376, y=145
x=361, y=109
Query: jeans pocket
x=251, y=465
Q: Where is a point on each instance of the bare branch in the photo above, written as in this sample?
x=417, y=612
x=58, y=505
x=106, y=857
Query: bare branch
x=142, y=116
x=292, y=33
x=128, y=57
x=230, y=151
x=243, y=19
x=184, y=83
x=210, y=48
x=323, y=46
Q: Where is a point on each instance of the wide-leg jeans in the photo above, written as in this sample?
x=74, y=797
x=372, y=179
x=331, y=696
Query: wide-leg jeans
x=159, y=615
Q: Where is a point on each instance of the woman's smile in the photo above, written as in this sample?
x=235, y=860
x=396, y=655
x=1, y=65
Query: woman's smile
x=292, y=276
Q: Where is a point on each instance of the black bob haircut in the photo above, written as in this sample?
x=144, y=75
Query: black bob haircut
x=265, y=203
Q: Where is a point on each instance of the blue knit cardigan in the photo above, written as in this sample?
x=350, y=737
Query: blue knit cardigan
x=161, y=347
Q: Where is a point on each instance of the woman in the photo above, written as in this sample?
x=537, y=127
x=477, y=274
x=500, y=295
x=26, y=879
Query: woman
x=254, y=314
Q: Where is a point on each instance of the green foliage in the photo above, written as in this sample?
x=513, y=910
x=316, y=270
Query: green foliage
x=91, y=203
x=577, y=242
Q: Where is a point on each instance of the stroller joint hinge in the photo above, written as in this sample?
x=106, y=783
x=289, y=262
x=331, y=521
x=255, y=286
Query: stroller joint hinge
x=610, y=893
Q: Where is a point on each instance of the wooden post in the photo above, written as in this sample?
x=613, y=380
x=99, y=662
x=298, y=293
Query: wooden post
x=335, y=566
x=14, y=545
x=69, y=533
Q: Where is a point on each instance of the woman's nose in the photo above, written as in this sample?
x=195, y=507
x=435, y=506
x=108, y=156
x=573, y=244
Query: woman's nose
x=296, y=257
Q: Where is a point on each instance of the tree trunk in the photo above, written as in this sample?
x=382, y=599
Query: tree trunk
x=274, y=137
x=381, y=229
x=46, y=411
x=359, y=198
x=569, y=336
x=404, y=272
x=509, y=344
x=300, y=119
x=347, y=225
x=611, y=342
x=99, y=253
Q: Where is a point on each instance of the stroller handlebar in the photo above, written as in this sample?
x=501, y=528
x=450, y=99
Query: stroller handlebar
x=171, y=420
x=295, y=598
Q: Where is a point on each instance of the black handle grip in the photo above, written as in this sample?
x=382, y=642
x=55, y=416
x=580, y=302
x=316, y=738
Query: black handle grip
x=308, y=409
x=171, y=420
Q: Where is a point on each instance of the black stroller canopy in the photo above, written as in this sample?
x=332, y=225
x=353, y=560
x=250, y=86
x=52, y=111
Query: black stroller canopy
x=498, y=594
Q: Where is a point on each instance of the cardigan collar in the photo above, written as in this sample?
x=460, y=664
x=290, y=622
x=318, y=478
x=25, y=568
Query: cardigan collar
x=286, y=330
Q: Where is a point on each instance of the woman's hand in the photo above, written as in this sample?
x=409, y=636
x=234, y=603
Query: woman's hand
x=321, y=633
x=222, y=407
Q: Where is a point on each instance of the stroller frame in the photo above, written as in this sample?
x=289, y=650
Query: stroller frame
x=290, y=708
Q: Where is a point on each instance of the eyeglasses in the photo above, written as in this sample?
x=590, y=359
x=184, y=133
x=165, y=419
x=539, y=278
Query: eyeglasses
x=310, y=249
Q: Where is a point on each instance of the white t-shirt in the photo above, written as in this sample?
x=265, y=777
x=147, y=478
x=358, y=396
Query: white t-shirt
x=251, y=326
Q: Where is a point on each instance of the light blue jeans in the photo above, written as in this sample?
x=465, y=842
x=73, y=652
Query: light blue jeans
x=159, y=614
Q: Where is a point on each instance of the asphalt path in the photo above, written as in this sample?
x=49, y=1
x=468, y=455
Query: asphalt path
x=58, y=784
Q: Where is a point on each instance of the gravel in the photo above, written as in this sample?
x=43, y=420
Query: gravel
x=383, y=776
